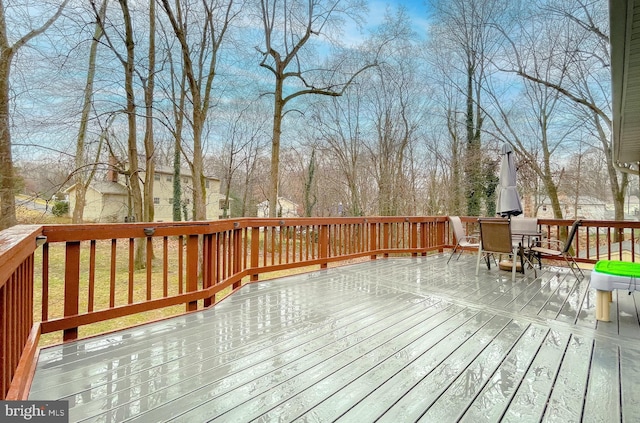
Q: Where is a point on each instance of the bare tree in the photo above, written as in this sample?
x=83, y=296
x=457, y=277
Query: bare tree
x=128, y=63
x=244, y=137
x=148, y=85
x=84, y=170
x=289, y=28
x=537, y=142
x=7, y=54
x=199, y=60
x=395, y=97
x=465, y=29
x=581, y=66
x=340, y=133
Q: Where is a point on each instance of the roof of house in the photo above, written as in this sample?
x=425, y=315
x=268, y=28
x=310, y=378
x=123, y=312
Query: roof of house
x=624, y=18
x=265, y=203
x=104, y=187
x=168, y=170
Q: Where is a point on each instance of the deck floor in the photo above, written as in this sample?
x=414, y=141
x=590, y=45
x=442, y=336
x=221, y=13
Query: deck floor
x=390, y=340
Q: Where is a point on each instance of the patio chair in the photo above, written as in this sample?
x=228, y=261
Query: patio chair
x=495, y=238
x=462, y=239
x=555, y=248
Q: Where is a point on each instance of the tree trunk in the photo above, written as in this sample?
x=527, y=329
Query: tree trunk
x=197, y=170
x=132, y=143
x=7, y=194
x=275, y=147
x=7, y=177
x=177, y=189
x=149, y=145
x=472, y=167
x=82, y=182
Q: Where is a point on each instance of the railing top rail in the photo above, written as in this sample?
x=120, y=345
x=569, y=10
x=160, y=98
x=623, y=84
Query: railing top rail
x=98, y=231
x=16, y=244
x=628, y=224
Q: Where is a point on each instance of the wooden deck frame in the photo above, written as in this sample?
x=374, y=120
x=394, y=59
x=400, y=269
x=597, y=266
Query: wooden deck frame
x=397, y=339
x=230, y=252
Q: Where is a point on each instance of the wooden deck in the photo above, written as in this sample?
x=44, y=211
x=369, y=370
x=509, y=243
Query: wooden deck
x=391, y=340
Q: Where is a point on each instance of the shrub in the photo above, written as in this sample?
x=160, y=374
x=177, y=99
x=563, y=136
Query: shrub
x=60, y=208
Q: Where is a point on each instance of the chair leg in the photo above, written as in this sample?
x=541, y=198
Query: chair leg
x=478, y=260
x=514, y=265
x=528, y=261
x=452, y=253
x=573, y=266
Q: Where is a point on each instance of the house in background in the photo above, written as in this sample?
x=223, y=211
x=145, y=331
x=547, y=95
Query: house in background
x=591, y=208
x=286, y=208
x=109, y=201
x=587, y=208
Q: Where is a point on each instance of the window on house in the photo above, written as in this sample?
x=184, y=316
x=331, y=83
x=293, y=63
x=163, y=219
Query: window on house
x=156, y=200
x=185, y=180
x=169, y=178
x=156, y=177
x=170, y=200
x=206, y=183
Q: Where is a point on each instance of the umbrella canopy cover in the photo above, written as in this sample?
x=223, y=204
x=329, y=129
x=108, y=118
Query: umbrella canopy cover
x=508, y=203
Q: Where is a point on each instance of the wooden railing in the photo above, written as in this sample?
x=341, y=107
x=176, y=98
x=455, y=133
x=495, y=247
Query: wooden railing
x=87, y=274
x=78, y=277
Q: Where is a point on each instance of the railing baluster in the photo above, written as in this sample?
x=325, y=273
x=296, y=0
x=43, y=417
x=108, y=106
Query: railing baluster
x=218, y=258
x=207, y=273
x=165, y=266
x=255, y=250
x=6, y=371
x=45, y=283
x=237, y=256
x=112, y=279
x=180, y=264
x=149, y=266
x=225, y=253
x=132, y=270
x=92, y=275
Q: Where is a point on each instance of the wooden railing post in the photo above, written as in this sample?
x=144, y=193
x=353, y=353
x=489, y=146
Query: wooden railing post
x=324, y=245
x=424, y=237
x=192, y=269
x=440, y=233
x=373, y=239
x=237, y=253
x=414, y=237
x=255, y=252
x=386, y=229
x=71, y=286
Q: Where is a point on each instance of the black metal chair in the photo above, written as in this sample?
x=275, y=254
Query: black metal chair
x=555, y=248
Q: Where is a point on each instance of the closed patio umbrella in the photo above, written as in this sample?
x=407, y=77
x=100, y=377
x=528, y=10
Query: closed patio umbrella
x=508, y=203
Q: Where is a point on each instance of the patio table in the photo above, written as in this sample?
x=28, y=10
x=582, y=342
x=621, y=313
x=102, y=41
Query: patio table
x=524, y=253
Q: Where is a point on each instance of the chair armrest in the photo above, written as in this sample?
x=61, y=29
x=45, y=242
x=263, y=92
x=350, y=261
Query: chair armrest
x=550, y=244
x=474, y=239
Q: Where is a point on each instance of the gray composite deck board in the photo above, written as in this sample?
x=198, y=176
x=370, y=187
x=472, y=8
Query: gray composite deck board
x=397, y=339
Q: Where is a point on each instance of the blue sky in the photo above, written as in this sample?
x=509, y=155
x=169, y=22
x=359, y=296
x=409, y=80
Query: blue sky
x=417, y=9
